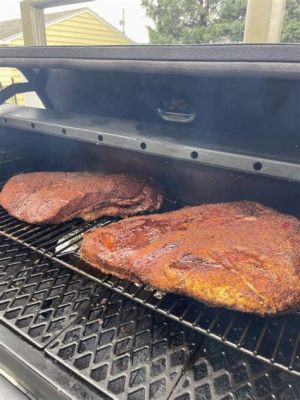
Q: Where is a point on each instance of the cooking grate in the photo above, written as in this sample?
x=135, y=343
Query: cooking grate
x=120, y=347
x=125, y=349
x=131, y=352
x=39, y=298
x=222, y=373
x=275, y=340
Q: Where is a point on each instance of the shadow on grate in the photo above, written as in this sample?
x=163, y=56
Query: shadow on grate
x=221, y=373
x=274, y=340
x=38, y=297
x=125, y=349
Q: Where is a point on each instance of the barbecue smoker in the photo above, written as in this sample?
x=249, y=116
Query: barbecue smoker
x=211, y=123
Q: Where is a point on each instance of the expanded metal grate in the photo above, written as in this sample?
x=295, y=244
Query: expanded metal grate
x=125, y=349
x=221, y=373
x=131, y=352
x=274, y=340
x=118, y=346
x=39, y=298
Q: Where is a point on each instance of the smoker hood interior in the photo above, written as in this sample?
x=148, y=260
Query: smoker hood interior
x=230, y=106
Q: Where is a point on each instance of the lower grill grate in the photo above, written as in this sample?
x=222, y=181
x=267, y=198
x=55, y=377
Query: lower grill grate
x=221, y=373
x=120, y=347
x=126, y=350
x=39, y=298
x=132, y=353
x=275, y=340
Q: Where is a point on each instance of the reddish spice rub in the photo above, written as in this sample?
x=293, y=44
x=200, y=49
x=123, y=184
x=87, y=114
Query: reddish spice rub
x=240, y=255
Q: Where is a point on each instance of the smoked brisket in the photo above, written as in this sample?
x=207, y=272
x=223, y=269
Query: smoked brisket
x=55, y=197
x=239, y=255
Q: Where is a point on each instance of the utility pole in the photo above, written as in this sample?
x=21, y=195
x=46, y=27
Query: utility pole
x=122, y=21
x=33, y=19
x=264, y=21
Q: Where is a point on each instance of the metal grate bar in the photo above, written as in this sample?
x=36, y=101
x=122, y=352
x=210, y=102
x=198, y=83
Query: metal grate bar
x=214, y=321
x=28, y=232
x=49, y=243
x=261, y=336
x=187, y=310
x=75, y=230
x=11, y=223
x=295, y=353
x=174, y=305
x=278, y=341
x=199, y=316
x=244, y=333
x=55, y=233
x=40, y=233
x=229, y=327
x=45, y=233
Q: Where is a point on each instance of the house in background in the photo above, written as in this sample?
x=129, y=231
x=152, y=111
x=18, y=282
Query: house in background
x=81, y=27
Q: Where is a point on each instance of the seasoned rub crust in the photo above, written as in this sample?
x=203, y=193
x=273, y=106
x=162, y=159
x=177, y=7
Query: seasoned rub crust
x=239, y=255
x=55, y=197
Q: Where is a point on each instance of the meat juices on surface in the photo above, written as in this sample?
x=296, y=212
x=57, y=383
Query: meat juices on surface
x=239, y=255
x=55, y=197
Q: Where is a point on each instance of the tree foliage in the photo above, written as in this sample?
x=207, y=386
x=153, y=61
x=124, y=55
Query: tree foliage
x=291, y=25
x=209, y=21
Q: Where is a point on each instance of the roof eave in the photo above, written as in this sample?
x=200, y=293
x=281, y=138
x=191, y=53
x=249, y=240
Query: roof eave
x=61, y=19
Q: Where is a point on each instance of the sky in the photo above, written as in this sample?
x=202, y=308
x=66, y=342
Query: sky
x=110, y=10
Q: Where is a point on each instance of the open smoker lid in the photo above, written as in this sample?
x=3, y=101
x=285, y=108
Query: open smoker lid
x=230, y=106
x=209, y=370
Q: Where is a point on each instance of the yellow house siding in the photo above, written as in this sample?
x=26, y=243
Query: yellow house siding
x=9, y=76
x=84, y=29
x=17, y=42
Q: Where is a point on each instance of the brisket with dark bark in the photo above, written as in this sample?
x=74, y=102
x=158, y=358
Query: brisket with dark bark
x=238, y=255
x=55, y=197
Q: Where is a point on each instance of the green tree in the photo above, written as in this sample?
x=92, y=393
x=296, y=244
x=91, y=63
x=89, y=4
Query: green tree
x=291, y=25
x=209, y=21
